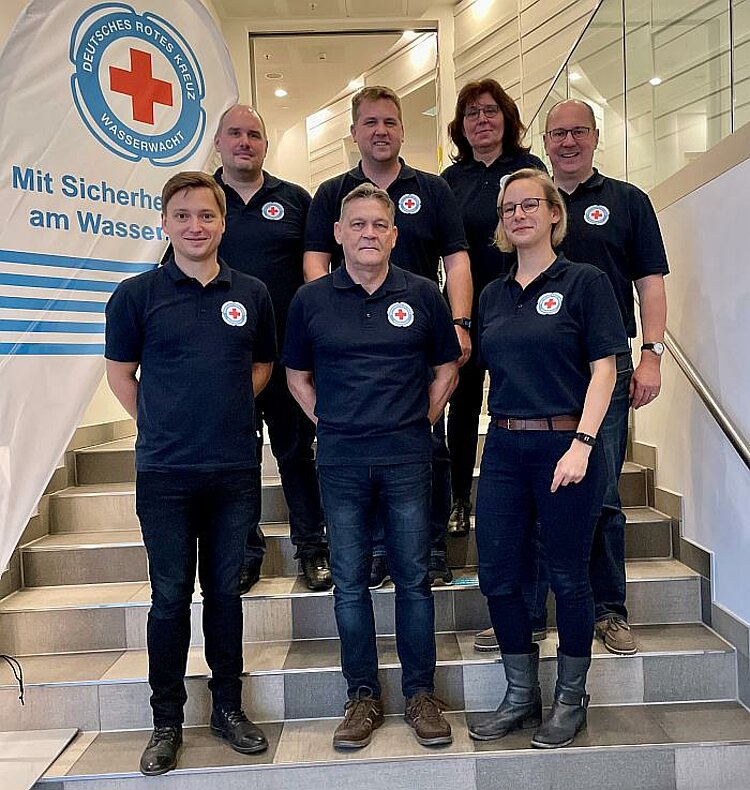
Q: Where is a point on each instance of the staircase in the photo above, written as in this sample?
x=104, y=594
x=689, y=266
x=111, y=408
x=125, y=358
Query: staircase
x=665, y=718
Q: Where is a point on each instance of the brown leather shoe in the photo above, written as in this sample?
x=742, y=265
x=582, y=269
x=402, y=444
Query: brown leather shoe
x=362, y=715
x=616, y=635
x=486, y=641
x=424, y=714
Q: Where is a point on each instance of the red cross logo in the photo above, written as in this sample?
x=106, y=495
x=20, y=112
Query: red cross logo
x=597, y=214
x=409, y=203
x=234, y=313
x=273, y=211
x=138, y=83
x=401, y=314
x=550, y=303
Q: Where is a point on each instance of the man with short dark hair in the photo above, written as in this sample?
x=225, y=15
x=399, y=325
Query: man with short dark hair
x=430, y=228
x=264, y=237
x=202, y=337
x=371, y=354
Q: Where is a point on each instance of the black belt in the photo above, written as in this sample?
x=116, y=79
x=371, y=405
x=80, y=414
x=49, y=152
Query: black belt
x=564, y=422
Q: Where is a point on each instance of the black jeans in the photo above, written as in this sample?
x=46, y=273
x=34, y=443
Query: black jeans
x=292, y=436
x=463, y=427
x=186, y=515
x=513, y=497
x=440, y=506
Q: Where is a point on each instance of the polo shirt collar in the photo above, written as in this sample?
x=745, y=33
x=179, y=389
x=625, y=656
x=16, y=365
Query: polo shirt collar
x=405, y=172
x=558, y=267
x=395, y=280
x=594, y=181
x=224, y=277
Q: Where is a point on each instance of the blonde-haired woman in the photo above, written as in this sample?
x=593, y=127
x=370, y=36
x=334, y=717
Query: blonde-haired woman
x=548, y=335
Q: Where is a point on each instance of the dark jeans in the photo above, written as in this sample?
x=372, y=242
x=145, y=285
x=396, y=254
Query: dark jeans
x=513, y=498
x=607, y=567
x=186, y=515
x=440, y=508
x=463, y=427
x=352, y=496
x=292, y=436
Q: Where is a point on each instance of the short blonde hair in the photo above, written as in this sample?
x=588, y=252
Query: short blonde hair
x=368, y=191
x=551, y=194
x=193, y=179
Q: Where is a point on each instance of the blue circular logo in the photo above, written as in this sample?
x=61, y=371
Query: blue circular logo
x=400, y=314
x=409, y=203
x=273, y=210
x=137, y=85
x=596, y=215
x=234, y=313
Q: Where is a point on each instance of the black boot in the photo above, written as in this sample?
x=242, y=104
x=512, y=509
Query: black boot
x=459, y=523
x=568, y=713
x=162, y=751
x=521, y=707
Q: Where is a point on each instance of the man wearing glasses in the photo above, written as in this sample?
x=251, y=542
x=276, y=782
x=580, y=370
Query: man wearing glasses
x=612, y=225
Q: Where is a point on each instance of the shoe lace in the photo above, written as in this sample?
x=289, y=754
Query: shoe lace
x=235, y=717
x=427, y=706
x=165, y=734
x=616, y=623
x=358, y=709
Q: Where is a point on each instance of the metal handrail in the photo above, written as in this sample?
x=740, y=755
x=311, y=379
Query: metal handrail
x=730, y=430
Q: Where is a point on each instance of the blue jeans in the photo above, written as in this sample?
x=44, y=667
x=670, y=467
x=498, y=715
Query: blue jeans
x=440, y=507
x=292, y=436
x=607, y=567
x=187, y=516
x=352, y=496
x=513, y=501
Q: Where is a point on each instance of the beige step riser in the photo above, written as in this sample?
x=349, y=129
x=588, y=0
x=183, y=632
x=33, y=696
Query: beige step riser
x=123, y=626
x=321, y=693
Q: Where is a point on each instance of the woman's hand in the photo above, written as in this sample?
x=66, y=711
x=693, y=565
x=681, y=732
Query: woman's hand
x=571, y=468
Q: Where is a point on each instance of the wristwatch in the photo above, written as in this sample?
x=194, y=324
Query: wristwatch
x=655, y=348
x=464, y=323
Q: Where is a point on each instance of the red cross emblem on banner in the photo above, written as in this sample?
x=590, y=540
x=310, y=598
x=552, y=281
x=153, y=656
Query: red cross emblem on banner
x=144, y=89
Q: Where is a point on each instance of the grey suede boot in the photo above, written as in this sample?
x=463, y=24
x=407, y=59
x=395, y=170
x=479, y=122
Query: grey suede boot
x=568, y=713
x=521, y=707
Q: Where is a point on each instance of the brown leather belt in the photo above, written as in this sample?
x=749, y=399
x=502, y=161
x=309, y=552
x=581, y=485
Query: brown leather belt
x=565, y=422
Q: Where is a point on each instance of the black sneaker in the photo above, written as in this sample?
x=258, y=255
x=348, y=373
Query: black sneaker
x=317, y=572
x=161, y=752
x=459, y=522
x=243, y=736
x=439, y=571
x=379, y=574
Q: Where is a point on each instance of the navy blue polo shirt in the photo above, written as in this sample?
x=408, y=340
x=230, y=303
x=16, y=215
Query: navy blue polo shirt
x=427, y=217
x=265, y=238
x=537, y=343
x=612, y=225
x=196, y=346
x=476, y=187
x=371, y=356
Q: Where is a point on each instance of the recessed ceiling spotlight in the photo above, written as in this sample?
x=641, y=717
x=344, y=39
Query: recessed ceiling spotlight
x=280, y=92
x=655, y=81
x=574, y=76
x=274, y=75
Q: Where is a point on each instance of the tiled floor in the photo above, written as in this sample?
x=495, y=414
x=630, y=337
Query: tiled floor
x=308, y=741
x=25, y=756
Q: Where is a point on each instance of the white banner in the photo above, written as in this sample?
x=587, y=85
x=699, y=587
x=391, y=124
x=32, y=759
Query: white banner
x=99, y=105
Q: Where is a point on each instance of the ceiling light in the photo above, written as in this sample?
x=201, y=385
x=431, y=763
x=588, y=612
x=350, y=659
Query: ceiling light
x=274, y=75
x=655, y=81
x=280, y=92
x=574, y=76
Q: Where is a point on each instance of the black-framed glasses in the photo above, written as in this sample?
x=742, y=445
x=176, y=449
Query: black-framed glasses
x=528, y=206
x=577, y=133
x=489, y=110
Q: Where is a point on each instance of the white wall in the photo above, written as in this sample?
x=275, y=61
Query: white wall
x=708, y=294
x=286, y=156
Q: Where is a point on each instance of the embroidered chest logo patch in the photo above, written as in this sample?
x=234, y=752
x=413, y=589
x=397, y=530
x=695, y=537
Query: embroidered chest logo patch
x=400, y=314
x=234, y=313
x=596, y=215
x=273, y=210
x=409, y=204
x=549, y=303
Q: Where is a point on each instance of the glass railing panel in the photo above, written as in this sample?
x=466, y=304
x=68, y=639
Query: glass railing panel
x=741, y=36
x=678, y=84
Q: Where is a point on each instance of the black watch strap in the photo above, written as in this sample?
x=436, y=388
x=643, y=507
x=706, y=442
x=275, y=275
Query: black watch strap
x=586, y=438
x=464, y=323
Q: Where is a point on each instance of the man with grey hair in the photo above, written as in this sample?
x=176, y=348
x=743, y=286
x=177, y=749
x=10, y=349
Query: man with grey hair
x=264, y=235
x=371, y=356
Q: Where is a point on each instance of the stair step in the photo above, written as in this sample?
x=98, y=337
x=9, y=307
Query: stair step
x=297, y=679
x=113, y=616
x=114, y=462
x=649, y=746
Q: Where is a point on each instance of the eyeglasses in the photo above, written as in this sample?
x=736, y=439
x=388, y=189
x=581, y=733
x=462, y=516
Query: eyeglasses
x=577, y=133
x=489, y=110
x=528, y=206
